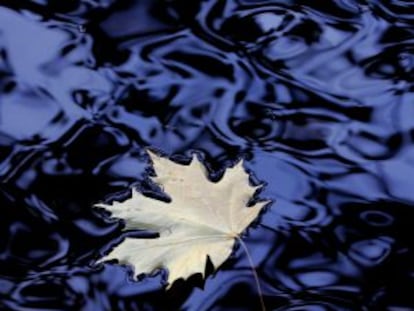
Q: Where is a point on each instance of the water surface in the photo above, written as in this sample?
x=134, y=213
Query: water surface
x=317, y=99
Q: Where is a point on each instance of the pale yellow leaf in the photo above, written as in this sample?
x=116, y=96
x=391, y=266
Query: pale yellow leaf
x=203, y=219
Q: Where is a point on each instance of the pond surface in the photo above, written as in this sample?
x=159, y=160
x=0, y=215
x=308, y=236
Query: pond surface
x=317, y=99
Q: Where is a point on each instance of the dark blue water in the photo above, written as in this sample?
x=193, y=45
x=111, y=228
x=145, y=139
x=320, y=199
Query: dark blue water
x=316, y=96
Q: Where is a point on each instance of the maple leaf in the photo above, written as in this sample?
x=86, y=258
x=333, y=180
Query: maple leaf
x=203, y=219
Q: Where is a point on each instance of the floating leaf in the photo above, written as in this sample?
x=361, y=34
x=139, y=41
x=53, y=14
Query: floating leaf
x=203, y=219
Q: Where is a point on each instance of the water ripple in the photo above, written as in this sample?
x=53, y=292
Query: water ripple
x=317, y=100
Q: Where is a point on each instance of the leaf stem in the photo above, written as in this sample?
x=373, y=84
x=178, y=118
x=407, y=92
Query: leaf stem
x=255, y=275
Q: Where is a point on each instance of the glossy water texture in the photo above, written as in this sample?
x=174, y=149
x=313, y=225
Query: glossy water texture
x=316, y=96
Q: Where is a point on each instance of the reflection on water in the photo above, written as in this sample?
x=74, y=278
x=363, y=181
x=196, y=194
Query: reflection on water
x=318, y=100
